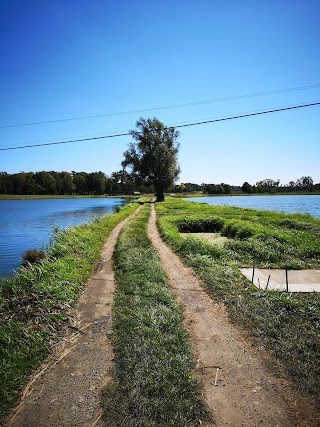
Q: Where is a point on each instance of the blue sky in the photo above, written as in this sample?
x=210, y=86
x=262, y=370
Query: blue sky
x=64, y=59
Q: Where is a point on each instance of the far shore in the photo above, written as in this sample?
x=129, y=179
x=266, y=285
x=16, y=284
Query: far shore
x=134, y=196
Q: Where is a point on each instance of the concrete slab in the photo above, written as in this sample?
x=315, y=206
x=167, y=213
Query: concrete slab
x=298, y=280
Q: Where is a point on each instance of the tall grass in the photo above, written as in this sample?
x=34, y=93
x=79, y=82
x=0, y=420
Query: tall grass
x=153, y=361
x=34, y=303
x=286, y=325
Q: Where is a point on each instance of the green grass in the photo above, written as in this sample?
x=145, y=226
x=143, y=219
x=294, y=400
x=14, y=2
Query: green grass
x=34, y=303
x=153, y=361
x=286, y=325
x=264, y=238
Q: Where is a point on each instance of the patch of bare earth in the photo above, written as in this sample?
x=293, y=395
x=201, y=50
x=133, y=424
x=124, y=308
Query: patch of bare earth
x=237, y=387
x=214, y=238
x=67, y=390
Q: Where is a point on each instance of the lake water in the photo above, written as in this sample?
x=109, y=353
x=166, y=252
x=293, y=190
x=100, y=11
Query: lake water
x=300, y=204
x=27, y=224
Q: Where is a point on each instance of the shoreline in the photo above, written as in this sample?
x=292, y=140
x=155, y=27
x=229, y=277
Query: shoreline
x=129, y=196
x=63, y=196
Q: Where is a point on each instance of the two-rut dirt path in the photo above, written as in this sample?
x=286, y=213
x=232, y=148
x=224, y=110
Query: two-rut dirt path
x=237, y=388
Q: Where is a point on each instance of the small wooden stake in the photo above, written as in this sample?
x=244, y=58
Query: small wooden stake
x=268, y=282
x=252, y=274
x=92, y=425
x=259, y=282
x=287, y=282
x=216, y=379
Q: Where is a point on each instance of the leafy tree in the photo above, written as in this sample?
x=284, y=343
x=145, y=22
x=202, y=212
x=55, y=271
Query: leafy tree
x=226, y=188
x=182, y=188
x=246, y=187
x=66, y=183
x=6, y=186
x=193, y=187
x=45, y=183
x=211, y=189
x=305, y=183
x=268, y=186
x=122, y=182
x=80, y=182
x=217, y=188
x=96, y=182
x=291, y=186
x=153, y=157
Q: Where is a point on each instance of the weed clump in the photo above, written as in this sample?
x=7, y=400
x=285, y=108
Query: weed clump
x=32, y=256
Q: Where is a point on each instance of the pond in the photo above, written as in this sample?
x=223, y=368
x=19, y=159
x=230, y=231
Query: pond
x=28, y=224
x=290, y=204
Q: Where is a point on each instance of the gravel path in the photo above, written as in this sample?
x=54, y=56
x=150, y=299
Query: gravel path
x=238, y=389
x=68, y=391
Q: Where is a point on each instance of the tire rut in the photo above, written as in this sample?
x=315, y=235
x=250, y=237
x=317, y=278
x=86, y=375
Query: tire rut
x=237, y=388
x=67, y=390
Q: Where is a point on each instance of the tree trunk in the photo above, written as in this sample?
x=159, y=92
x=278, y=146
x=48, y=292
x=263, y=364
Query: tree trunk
x=160, y=195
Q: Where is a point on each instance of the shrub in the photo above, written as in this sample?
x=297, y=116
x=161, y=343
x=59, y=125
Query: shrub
x=33, y=256
x=201, y=225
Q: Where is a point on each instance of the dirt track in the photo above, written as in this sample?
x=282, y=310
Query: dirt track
x=238, y=389
x=236, y=386
x=68, y=394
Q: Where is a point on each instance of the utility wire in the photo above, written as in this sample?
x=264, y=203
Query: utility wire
x=209, y=101
x=64, y=142
x=241, y=116
x=88, y=135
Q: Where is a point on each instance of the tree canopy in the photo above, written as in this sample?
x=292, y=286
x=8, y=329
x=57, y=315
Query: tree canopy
x=153, y=157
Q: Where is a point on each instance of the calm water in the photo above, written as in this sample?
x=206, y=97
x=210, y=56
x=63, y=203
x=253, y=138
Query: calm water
x=27, y=224
x=300, y=204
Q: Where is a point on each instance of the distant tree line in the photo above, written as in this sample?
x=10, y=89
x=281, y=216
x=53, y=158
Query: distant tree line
x=206, y=188
x=66, y=183
x=187, y=187
x=121, y=182
x=303, y=184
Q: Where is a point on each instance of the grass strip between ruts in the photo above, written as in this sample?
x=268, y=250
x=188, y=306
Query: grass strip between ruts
x=34, y=303
x=153, y=361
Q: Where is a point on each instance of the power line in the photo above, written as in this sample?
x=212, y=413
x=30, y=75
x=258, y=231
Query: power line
x=190, y=104
x=64, y=142
x=75, y=137
x=241, y=116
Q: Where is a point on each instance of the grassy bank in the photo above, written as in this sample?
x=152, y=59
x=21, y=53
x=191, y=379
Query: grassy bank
x=34, y=304
x=286, y=325
x=153, y=383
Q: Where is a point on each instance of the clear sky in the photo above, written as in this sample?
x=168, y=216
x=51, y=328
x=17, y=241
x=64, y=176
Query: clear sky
x=72, y=58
